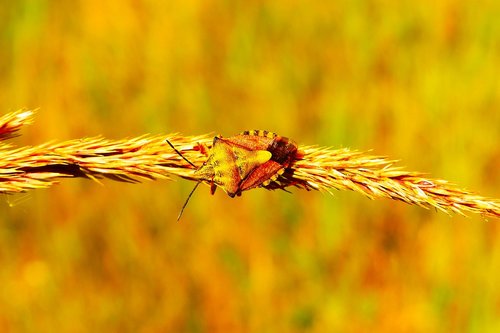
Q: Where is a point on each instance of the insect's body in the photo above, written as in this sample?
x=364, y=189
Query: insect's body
x=242, y=162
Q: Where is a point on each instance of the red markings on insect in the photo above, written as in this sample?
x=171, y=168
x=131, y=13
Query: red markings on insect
x=242, y=162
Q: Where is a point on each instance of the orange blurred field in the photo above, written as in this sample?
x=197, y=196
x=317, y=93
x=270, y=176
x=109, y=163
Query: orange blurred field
x=416, y=81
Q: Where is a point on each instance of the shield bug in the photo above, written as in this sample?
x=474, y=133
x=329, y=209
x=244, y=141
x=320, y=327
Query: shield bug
x=245, y=161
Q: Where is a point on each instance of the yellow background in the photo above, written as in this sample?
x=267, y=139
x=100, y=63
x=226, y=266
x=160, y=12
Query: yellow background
x=413, y=80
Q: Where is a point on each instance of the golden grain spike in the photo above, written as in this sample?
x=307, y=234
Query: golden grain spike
x=149, y=157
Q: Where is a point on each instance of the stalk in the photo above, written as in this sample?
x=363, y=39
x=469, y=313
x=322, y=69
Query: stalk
x=149, y=157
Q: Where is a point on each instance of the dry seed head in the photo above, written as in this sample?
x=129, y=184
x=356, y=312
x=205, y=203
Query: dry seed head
x=150, y=157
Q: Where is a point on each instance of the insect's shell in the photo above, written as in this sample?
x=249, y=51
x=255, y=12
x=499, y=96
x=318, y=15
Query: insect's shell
x=251, y=159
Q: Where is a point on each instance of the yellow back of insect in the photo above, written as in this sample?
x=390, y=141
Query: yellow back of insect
x=227, y=165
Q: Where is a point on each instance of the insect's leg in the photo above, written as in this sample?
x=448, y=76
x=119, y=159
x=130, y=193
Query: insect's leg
x=213, y=187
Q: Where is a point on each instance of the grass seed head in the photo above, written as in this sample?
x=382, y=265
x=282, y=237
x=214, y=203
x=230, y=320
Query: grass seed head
x=149, y=157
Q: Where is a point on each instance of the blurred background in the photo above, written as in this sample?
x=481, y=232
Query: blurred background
x=412, y=80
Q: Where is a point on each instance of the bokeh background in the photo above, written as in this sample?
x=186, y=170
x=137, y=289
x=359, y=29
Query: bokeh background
x=413, y=80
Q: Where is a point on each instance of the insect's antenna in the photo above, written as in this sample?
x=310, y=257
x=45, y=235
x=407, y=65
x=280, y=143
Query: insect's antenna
x=187, y=200
x=195, y=187
x=185, y=159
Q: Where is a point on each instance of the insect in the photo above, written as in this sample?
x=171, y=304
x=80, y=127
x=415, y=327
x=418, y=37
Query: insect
x=251, y=159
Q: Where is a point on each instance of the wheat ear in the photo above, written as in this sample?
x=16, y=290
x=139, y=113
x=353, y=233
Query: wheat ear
x=150, y=157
